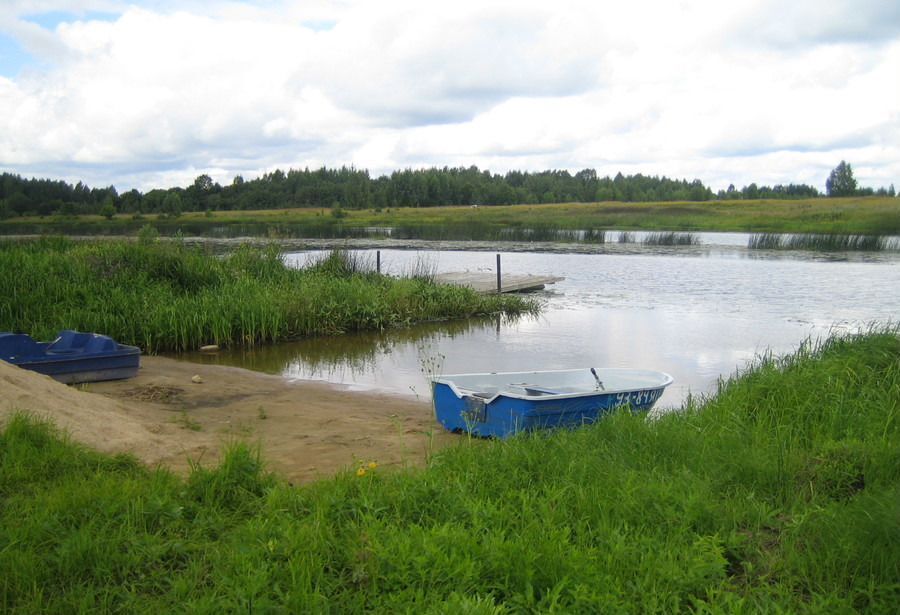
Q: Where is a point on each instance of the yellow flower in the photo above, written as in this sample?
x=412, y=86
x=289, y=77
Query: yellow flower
x=361, y=472
x=372, y=465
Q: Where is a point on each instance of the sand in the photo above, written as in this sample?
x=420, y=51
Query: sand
x=175, y=413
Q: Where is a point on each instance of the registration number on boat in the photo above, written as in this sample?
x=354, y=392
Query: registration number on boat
x=638, y=398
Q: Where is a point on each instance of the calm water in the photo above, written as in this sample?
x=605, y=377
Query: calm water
x=696, y=313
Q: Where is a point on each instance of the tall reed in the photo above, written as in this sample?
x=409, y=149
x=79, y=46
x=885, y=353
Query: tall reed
x=669, y=238
x=822, y=242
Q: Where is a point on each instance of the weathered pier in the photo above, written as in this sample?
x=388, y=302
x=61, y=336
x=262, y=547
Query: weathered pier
x=487, y=282
x=484, y=282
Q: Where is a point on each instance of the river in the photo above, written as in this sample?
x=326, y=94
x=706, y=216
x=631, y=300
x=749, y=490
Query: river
x=698, y=313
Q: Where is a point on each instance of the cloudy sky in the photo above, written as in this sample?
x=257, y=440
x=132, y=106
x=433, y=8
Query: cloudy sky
x=152, y=93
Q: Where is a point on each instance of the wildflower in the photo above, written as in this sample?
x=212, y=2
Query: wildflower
x=372, y=465
x=361, y=471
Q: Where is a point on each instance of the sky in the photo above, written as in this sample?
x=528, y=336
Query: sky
x=152, y=93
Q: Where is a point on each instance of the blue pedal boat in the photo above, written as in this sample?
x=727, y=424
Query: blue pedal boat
x=73, y=357
x=502, y=404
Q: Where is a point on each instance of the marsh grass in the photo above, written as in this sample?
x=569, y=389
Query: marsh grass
x=423, y=268
x=780, y=493
x=343, y=263
x=164, y=295
x=766, y=241
x=670, y=238
x=822, y=242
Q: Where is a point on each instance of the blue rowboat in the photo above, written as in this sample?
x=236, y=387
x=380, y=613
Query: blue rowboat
x=501, y=404
x=72, y=357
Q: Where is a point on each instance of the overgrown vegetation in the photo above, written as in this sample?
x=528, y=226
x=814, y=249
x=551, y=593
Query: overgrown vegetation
x=671, y=239
x=822, y=243
x=779, y=494
x=163, y=295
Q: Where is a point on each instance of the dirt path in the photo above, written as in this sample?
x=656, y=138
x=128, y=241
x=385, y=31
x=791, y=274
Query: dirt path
x=306, y=430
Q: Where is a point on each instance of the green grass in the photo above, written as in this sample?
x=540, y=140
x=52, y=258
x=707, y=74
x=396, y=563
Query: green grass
x=852, y=215
x=780, y=494
x=167, y=296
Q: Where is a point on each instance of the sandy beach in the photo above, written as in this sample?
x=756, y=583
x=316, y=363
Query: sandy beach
x=174, y=413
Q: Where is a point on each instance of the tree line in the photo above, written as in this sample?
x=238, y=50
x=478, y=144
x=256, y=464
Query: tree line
x=351, y=188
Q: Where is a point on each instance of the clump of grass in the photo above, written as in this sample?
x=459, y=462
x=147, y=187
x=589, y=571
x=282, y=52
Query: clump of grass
x=186, y=422
x=423, y=269
x=821, y=242
x=836, y=243
x=780, y=493
x=670, y=238
x=163, y=295
x=594, y=236
x=343, y=263
x=766, y=241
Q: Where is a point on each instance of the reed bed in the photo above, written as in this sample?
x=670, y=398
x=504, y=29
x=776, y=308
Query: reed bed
x=167, y=296
x=780, y=493
x=766, y=241
x=597, y=236
x=423, y=268
x=669, y=238
x=822, y=242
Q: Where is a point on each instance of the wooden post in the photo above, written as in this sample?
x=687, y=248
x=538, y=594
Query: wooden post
x=499, y=285
x=378, y=261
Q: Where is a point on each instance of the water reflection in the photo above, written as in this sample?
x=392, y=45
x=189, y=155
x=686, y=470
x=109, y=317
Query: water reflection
x=395, y=360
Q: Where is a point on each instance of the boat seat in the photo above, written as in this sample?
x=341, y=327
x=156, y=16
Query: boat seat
x=533, y=389
x=71, y=342
x=487, y=393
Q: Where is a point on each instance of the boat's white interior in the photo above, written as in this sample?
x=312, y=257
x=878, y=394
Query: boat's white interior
x=556, y=383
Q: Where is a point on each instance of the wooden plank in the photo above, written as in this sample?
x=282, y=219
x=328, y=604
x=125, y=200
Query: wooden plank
x=486, y=282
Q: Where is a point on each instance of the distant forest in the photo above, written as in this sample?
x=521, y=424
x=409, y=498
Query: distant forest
x=350, y=188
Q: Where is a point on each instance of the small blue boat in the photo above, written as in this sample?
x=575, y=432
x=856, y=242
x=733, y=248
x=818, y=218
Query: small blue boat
x=72, y=357
x=501, y=404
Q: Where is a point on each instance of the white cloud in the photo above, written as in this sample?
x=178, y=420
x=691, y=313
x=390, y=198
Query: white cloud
x=725, y=92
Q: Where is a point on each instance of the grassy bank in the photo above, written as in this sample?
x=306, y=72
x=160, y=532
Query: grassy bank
x=166, y=296
x=858, y=215
x=780, y=494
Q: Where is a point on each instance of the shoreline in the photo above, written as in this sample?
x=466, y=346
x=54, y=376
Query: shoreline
x=305, y=430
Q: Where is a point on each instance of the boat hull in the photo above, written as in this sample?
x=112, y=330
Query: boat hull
x=503, y=413
x=73, y=357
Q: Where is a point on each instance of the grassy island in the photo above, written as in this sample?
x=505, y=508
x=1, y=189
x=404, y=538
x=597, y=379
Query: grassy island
x=779, y=494
x=163, y=295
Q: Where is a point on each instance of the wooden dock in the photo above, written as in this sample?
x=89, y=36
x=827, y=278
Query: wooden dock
x=486, y=282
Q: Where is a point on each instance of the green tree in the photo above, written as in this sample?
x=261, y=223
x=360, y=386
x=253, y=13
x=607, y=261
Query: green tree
x=108, y=210
x=171, y=205
x=841, y=181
